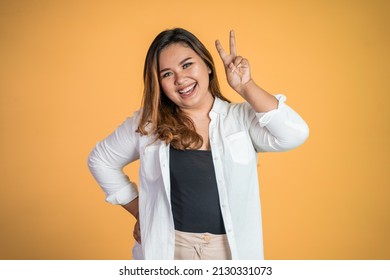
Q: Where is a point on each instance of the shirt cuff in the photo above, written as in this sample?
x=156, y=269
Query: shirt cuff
x=265, y=118
x=124, y=195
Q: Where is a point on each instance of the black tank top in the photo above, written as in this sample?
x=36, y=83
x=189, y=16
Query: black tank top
x=194, y=193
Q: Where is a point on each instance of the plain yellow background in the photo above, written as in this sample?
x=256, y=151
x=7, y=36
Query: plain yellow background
x=71, y=71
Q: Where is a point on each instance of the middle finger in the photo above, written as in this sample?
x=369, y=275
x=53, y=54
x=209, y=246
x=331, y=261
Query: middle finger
x=232, y=40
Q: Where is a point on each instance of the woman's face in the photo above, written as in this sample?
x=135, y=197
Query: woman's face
x=184, y=77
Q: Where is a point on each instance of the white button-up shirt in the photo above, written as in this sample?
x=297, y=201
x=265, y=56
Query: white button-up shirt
x=236, y=134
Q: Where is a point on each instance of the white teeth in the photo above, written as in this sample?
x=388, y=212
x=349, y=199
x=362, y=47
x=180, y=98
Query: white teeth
x=187, y=89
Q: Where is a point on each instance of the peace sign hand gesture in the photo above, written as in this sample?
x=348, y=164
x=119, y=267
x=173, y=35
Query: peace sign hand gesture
x=236, y=67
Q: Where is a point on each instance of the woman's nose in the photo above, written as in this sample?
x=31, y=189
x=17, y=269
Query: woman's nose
x=180, y=78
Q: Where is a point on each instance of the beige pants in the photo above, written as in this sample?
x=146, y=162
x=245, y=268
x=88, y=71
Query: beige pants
x=201, y=246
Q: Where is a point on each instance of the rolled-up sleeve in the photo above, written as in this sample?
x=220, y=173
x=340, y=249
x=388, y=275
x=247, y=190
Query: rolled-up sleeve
x=107, y=159
x=281, y=129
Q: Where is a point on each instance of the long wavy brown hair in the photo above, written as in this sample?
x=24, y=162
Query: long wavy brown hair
x=160, y=116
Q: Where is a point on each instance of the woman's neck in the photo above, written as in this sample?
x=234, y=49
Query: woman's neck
x=202, y=110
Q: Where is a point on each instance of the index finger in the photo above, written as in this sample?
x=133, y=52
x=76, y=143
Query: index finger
x=220, y=50
x=232, y=40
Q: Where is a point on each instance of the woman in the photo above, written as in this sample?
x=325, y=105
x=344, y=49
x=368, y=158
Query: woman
x=198, y=185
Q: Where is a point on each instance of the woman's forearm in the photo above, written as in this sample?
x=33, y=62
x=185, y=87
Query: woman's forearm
x=132, y=207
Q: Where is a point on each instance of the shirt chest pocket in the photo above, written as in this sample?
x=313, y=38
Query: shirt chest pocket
x=240, y=147
x=150, y=163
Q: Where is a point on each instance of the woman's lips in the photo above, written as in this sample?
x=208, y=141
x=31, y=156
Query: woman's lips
x=187, y=90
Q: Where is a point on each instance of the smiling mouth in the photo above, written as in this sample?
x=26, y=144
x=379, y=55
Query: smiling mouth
x=188, y=90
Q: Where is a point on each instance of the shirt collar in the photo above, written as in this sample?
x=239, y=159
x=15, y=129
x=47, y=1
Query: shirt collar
x=219, y=106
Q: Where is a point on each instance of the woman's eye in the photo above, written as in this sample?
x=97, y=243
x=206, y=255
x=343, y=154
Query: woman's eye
x=167, y=74
x=186, y=65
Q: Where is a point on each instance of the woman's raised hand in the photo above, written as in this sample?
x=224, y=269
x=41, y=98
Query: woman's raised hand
x=236, y=67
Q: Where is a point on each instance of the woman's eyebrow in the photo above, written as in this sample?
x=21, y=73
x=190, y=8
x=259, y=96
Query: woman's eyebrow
x=180, y=63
